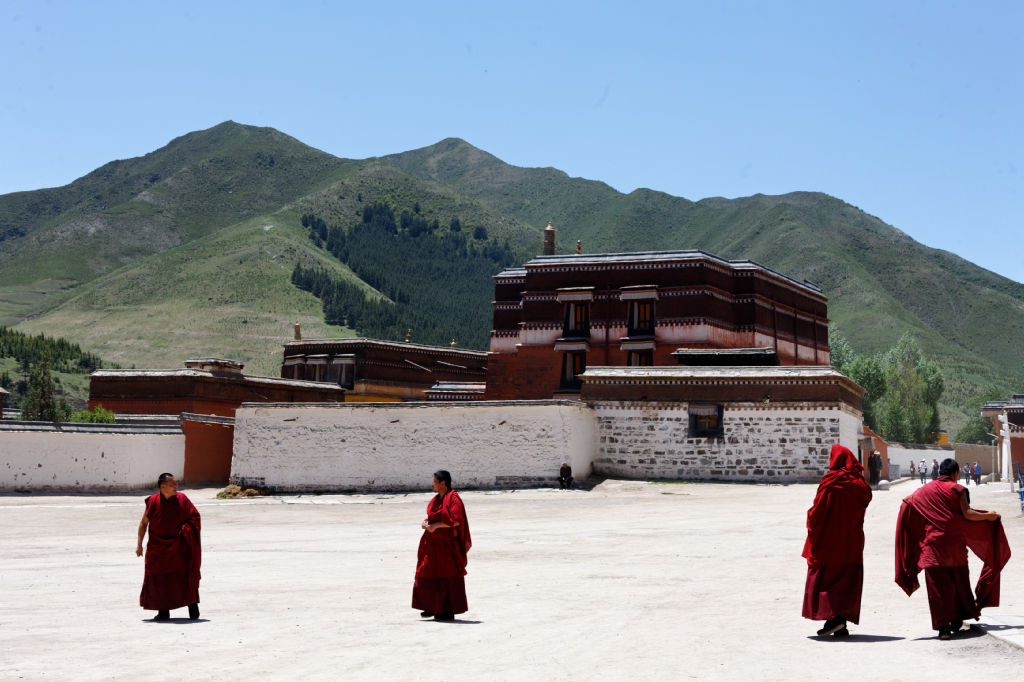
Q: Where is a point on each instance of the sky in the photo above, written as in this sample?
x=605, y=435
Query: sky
x=911, y=111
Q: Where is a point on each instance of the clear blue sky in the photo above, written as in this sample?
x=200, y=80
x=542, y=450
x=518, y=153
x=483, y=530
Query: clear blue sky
x=912, y=111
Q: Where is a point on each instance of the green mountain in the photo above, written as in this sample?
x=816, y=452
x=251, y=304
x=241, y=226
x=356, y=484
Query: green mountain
x=190, y=250
x=880, y=282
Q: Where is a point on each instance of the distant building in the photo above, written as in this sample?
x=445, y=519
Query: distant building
x=1007, y=417
x=3, y=400
x=371, y=370
x=558, y=314
x=205, y=394
x=208, y=386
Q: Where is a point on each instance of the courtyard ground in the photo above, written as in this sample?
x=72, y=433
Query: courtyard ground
x=627, y=580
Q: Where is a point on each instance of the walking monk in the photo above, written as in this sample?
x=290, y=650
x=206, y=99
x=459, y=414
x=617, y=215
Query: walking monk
x=935, y=527
x=835, y=545
x=440, y=586
x=173, y=553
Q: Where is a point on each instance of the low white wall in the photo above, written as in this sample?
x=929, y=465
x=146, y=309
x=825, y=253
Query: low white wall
x=397, y=446
x=87, y=460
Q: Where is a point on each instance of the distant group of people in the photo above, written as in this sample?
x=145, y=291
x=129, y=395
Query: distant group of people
x=935, y=527
x=874, y=468
x=922, y=470
x=972, y=472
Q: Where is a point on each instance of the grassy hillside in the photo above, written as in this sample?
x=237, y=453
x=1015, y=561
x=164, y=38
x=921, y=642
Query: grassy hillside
x=225, y=295
x=127, y=210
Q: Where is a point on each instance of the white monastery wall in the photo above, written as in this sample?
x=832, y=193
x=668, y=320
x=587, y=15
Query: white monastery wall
x=97, y=460
x=780, y=442
x=397, y=446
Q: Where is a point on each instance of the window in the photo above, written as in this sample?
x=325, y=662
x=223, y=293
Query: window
x=577, y=319
x=705, y=421
x=641, y=317
x=573, y=365
x=346, y=378
x=641, y=358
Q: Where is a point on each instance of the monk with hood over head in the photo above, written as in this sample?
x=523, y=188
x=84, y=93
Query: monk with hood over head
x=835, y=545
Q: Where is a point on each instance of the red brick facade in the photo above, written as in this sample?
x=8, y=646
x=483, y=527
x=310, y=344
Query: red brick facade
x=374, y=370
x=558, y=314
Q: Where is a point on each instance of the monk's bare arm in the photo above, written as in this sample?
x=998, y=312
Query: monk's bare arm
x=143, y=524
x=973, y=514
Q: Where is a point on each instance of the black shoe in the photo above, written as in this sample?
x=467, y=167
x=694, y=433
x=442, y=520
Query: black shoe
x=193, y=611
x=426, y=614
x=832, y=626
x=955, y=626
x=843, y=632
x=162, y=615
x=445, y=616
x=944, y=633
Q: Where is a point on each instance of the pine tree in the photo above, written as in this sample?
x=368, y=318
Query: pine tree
x=40, y=405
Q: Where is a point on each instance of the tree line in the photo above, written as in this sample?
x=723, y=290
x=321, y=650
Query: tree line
x=902, y=387
x=31, y=352
x=436, y=279
x=61, y=354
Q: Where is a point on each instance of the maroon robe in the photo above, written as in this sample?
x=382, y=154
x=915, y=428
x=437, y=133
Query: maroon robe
x=173, y=554
x=932, y=534
x=835, y=541
x=440, y=585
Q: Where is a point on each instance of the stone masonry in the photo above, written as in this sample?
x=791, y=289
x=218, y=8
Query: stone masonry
x=787, y=443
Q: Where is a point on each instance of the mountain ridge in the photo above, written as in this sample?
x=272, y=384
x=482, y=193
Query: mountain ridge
x=237, y=189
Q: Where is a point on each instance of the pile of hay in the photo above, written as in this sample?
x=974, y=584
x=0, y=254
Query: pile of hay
x=233, y=491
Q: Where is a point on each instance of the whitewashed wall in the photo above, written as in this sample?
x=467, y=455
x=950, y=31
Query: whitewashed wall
x=783, y=442
x=94, y=459
x=397, y=446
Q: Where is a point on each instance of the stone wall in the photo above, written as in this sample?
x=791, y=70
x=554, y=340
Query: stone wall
x=397, y=446
x=780, y=442
x=42, y=456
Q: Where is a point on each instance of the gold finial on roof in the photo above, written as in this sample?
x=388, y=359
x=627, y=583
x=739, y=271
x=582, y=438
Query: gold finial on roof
x=298, y=332
x=549, y=240
x=408, y=335
x=579, y=246
x=453, y=344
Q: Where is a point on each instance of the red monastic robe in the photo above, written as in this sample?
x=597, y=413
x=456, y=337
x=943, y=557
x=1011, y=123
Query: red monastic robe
x=440, y=585
x=835, y=541
x=932, y=534
x=173, y=554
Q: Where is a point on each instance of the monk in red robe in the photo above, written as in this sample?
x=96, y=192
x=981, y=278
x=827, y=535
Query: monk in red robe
x=439, y=589
x=935, y=528
x=173, y=553
x=835, y=545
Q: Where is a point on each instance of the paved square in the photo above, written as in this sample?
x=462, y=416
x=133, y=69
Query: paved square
x=629, y=580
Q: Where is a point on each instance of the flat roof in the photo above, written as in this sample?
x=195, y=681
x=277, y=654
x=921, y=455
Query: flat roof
x=205, y=374
x=397, y=345
x=708, y=372
x=648, y=257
